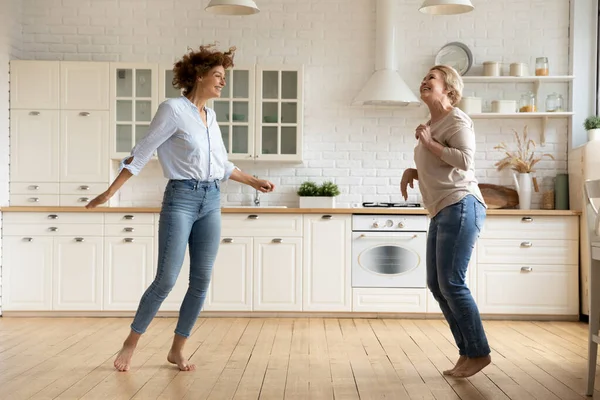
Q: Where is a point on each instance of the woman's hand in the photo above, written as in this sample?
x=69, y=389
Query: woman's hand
x=423, y=133
x=408, y=178
x=100, y=199
x=262, y=185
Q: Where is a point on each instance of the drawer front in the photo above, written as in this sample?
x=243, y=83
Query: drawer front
x=33, y=188
x=75, y=200
x=47, y=218
x=534, y=227
x=35, y=200
x=53, y=230
x=129, y=230
x=509, y=289
x=83, y=189
x=129, y=218
x=261, y=225
x=389, y=300
x=536, y=251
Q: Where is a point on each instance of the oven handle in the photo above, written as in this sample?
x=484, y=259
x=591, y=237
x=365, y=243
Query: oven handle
x=387, y=237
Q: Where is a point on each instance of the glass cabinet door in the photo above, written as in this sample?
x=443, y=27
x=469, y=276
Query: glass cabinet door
x=279, y=125
x=166, y=90
x=133, y=104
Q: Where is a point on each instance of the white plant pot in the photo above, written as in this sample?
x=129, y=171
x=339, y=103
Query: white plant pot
x=593, y=134
x=524, y=186
x=317, y=202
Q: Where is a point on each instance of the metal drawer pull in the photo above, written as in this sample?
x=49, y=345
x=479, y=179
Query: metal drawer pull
x=28, y=239
x=128, y=240
x=53, y=229
x=34, y=199
x=83, y=199
x=526, y=269
x=52, y=216
x=277, y=240
x=34, y=113
x=79, y=239
x=84, y=187
x=228, y=240
x=326, y=217
x=128, y=217
x=527, y=219
x=128, y=229
x=84, y=114
x=33, y=187
x=526, y=244
x=253, y=216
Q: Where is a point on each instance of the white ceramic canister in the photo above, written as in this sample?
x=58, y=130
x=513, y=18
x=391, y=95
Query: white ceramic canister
x=491, y=68
x=470, y=105
x=518, y=69
x=504, y=106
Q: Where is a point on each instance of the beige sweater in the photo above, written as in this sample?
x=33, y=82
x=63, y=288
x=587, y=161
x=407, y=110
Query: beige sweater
x=445, y=181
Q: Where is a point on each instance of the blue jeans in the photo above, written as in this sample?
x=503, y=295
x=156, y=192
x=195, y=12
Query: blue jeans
x=190, y=214
x=450, y=242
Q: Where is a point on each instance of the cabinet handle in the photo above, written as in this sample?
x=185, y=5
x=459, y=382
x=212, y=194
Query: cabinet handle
x=128, y=240
x=84, y=187
x=327, y=217
x=53, y=229
x=28, y=239
x=83, y=199
x=526, y=244
x=527, y=219
x=34, y=113
x=277, y=240
x=228, y=240
x=253, y=216
x=33, y=187
x=52, y=216
x=84, y=114
x=130, y=217
x=34, y=199
x=526, y=269
x=128, y=229
x=79, y=239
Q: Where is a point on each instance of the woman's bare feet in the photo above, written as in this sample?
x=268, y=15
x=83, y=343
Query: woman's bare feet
x=472, y=366
x=123, y=360
x=177, y=358
x=460, y=362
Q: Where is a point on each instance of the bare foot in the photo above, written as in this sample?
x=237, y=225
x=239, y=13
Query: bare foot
x=472, y=366
x=123, y=360
x=180, y=361
x=460, y=362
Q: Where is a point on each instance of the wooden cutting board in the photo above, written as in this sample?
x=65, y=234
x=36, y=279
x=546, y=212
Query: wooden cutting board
x=497, y=196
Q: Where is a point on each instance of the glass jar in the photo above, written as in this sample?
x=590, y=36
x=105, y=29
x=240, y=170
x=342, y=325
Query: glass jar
x=547, y=193
x=527, y=103
x=541, y=66
x=554, y=103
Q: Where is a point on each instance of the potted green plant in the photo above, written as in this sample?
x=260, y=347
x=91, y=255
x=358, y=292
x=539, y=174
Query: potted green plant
x=315, y=196
x=592, y=126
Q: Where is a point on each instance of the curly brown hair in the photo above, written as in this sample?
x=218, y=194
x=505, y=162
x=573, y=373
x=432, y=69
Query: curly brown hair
x=197, y=63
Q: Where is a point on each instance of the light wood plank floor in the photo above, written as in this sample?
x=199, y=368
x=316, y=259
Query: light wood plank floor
x=289, y=358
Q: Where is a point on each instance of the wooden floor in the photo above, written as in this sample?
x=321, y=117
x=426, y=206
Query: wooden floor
x=248, y=358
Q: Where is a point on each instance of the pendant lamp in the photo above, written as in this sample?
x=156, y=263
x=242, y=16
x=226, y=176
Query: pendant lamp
x=446, y=7
x=232, y=7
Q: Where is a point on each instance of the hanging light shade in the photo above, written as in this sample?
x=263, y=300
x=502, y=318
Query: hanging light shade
x=446, y=7
x=232, y=7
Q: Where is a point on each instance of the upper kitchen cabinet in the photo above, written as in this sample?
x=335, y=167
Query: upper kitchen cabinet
x=34, y=85
x=133, y=102
x=83, y=85
x=279, y=102
x=166, y=90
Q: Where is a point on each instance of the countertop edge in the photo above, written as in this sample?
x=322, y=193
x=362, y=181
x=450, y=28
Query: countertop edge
x=267, y=210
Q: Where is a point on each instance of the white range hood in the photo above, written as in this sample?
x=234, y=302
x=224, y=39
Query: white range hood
x=386, y=87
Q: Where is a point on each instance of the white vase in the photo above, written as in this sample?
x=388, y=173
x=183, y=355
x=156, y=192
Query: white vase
x=523, y=183
x=317, y=202
x=593, y=134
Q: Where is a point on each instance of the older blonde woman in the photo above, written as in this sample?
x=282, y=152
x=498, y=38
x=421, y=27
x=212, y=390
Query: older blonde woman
x=445, y=169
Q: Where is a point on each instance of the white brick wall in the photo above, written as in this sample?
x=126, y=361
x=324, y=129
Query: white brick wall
x=363, y=150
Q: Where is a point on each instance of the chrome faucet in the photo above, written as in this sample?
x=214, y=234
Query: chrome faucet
x=256, y=195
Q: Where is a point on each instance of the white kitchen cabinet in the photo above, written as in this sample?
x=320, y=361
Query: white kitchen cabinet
x=166, y=90
x=27, y=273
x=84, y=147
x=277, y=274
x=83, y=85
x=34, y=85
x=34, y=149
x=326, y=273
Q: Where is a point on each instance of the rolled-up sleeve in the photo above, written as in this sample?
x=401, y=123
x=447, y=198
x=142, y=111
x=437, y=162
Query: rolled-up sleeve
x=162, y=127
x=460, y=151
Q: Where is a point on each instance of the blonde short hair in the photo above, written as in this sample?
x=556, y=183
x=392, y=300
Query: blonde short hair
x=453, y=81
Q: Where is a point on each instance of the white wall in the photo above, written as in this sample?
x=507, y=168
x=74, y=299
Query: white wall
x=364, y=151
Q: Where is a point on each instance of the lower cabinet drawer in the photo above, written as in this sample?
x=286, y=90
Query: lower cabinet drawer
x=535, y=251
x=396, y=300
x=528, y=289
x=34, y=199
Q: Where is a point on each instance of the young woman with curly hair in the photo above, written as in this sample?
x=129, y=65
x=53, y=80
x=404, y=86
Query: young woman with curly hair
x=187, y=138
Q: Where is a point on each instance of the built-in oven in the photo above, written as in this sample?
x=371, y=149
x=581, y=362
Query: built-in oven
x=388, y=251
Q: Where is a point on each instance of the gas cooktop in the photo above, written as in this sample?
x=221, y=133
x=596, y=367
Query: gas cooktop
x=392, y=205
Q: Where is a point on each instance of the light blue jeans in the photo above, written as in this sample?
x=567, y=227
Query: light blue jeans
x=450, y=242
x=190, y=214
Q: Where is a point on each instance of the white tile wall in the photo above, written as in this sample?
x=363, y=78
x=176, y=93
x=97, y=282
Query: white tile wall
x=363, y=150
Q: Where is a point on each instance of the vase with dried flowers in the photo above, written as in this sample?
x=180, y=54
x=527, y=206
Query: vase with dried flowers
x=522, y=162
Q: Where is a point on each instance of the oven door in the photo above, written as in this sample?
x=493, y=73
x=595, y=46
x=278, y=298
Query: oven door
x=389, y=259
